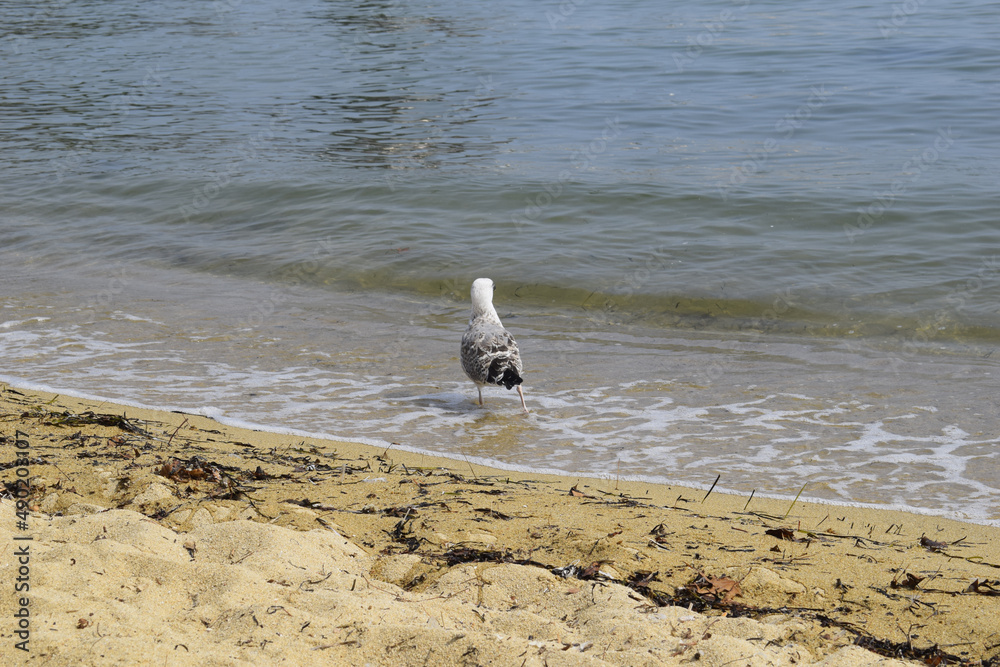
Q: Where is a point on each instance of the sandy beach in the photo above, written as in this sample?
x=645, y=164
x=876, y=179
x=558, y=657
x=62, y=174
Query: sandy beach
x=150, y=537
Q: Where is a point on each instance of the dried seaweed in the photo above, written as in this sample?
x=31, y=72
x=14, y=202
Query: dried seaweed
x=783, y=534
x=402, y=533
x=985, y=587
x=908, y=580
x=86, y=419
x=460, y=555
x=493, y=514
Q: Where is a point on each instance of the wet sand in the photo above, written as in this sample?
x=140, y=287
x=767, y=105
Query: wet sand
x=167, y=538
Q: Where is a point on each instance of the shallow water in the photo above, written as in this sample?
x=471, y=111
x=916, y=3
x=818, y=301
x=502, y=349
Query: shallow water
x=767, y=412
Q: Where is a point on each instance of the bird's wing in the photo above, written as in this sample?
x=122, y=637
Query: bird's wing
x=490, y=354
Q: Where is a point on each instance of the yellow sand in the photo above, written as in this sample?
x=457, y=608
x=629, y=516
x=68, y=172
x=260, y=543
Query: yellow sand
x=171, y=539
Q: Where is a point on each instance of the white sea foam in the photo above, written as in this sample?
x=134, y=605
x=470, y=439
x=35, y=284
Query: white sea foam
x=10, y=324
x=873, y=434
x=760, y=436
x=118, y=315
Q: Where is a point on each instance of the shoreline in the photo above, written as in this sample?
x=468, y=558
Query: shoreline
x=496, y=466
x=506, y=567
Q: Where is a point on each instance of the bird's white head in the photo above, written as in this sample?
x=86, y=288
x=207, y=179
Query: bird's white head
x=482, y=298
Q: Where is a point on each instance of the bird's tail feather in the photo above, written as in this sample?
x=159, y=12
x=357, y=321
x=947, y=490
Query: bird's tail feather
x=509, y=379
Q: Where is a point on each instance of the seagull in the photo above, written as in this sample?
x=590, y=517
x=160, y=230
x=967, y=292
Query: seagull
x=489, y=352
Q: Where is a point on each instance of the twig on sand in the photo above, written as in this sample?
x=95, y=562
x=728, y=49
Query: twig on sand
x=749, y=499
x=794, y=501
x=171, y=438
x=717, y=478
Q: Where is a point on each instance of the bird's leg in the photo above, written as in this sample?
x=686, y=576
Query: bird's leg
x=480, y=394
x=521, y=394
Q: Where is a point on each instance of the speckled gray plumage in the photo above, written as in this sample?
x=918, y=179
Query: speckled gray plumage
x=489, y=353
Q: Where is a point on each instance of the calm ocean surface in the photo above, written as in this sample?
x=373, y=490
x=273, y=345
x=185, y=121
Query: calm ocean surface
x=754, y=239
